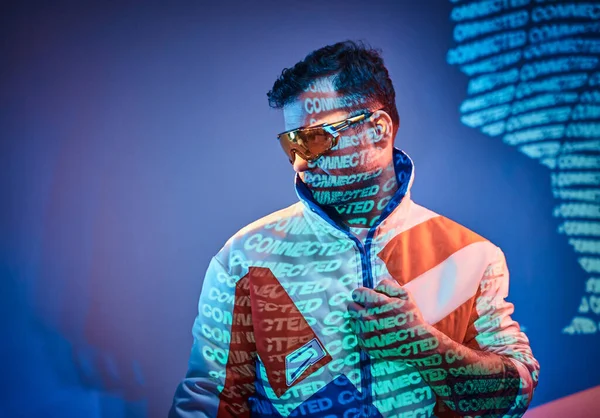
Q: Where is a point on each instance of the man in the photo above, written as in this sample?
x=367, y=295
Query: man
x=355, y=301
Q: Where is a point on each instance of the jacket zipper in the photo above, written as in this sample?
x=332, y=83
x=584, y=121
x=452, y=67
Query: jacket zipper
x=367, y=279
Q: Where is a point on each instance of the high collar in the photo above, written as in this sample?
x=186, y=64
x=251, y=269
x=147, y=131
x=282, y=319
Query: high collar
x=395, y=211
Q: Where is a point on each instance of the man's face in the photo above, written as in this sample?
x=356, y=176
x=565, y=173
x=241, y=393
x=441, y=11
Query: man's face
x=363, y=150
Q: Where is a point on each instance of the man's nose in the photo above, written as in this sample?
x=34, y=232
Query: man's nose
x=300, y=164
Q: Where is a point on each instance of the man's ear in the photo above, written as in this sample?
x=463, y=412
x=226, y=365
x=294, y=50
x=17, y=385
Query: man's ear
x=384, y=124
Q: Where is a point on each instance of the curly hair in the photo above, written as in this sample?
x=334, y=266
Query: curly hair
x=358, y=69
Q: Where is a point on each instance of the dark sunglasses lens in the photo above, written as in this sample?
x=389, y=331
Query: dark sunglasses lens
x=308, y=144
x=292, y=148
x=286, y=145
x=318, y=141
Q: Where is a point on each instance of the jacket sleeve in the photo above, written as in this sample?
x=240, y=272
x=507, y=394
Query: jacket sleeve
x=492, y=329
x=221, y=373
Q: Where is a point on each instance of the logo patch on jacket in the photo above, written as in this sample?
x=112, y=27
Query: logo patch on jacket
x=288, y=347
x=301, y=359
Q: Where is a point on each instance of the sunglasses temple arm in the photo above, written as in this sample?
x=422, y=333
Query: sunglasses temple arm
x=334, y=129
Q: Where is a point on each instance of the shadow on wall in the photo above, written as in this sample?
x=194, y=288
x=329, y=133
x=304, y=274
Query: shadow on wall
x=534, y=83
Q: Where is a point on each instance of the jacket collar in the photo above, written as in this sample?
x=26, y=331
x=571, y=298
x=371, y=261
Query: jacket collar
x=395, y=211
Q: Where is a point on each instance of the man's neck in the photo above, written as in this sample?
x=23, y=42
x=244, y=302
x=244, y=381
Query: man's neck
x=364, y=210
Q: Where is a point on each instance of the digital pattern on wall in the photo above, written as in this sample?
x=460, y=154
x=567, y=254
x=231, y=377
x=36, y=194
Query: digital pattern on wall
x=534, y=83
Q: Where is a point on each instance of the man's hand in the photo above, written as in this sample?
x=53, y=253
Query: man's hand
x=389, y=325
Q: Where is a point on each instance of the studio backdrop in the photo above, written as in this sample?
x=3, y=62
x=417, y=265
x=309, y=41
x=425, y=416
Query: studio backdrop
x=135, y=140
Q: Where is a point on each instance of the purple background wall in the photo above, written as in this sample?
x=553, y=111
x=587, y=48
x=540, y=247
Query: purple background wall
x=135, y=140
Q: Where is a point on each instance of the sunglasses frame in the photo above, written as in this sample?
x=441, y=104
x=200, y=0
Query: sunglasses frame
x=332, y=129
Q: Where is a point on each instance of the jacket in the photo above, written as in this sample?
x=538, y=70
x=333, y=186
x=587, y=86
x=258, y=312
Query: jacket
x=272, y=336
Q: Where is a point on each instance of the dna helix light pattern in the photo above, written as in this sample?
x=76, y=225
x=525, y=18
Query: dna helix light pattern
x=534, y=83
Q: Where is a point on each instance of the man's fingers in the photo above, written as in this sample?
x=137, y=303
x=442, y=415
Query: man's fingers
x=392, y=289
x=354, y=309
x=358, y=312
x=368, y=298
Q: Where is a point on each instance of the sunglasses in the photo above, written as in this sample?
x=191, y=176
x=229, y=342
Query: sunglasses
x=313, y=142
